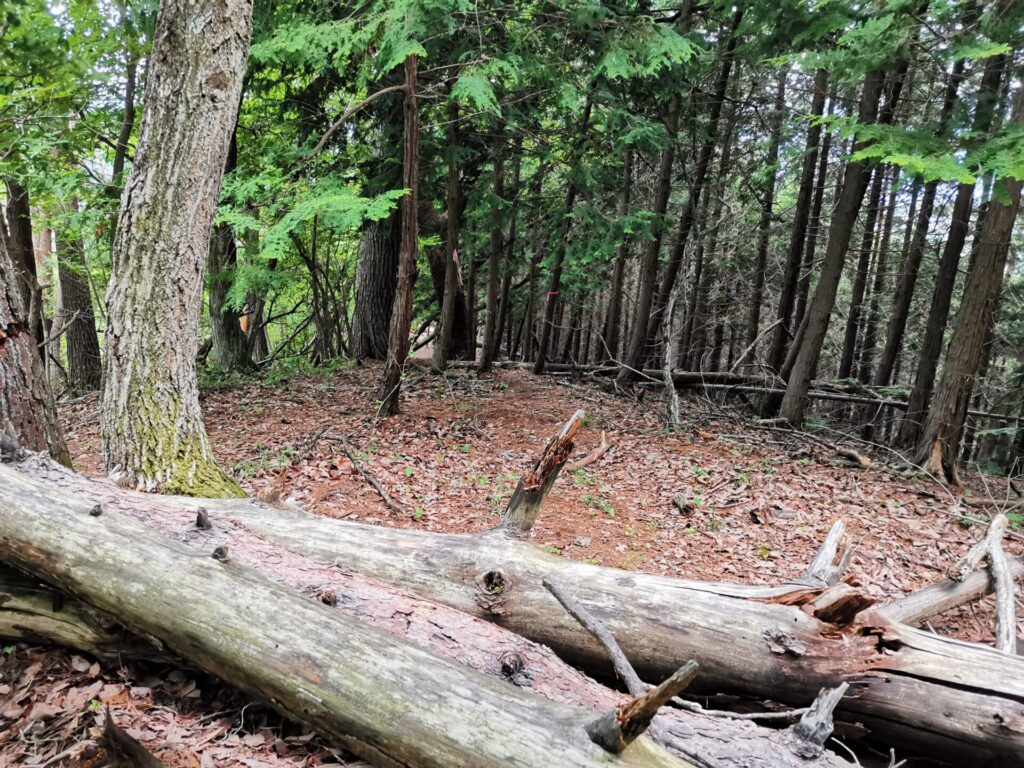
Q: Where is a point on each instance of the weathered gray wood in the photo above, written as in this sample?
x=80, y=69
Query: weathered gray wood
x=387, y=701
x=705, y=739
x=744, y=638
x=31, y=611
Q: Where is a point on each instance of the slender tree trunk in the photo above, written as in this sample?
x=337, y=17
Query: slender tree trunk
x=867, y=352
x=451, y=248
x=767, y=205
x=937, y=450
x=814, y=227
x=649, y=265
x=647, y=316
x=904, y=292
x=230, y=350
x=27, y=415
x=572, y=189
x=801, y=219
x=491, y=332
x=610, y=337
x=504, y=309
x=22, y=252
x=401, y=315
x=855, y=181
x=84, y=364
x=153, y=434
x=945, y=280
x=860, y=277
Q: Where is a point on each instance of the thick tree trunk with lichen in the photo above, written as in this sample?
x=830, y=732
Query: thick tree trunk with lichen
x=153, y=434
x=27, y=415
x=376, y=280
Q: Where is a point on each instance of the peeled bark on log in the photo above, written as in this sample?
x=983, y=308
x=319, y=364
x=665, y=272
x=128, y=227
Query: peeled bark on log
x=939, y=696
x=745, y=638
x=387, y=701
x=704, y=739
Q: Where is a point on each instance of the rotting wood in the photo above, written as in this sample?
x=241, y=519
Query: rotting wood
x=594, y=455
x=534, y=486
x=914, y=609
x=696, y=735
x=387, y=701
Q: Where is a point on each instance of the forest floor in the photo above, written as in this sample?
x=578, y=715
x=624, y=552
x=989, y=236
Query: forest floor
x=717, y=499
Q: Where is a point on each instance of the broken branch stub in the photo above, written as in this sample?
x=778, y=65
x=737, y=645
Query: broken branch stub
x=617, y=729
x=521, y=513
x=816, y=725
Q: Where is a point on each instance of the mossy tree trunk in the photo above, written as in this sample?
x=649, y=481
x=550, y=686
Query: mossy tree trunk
x=153, y=434
x=26, y=409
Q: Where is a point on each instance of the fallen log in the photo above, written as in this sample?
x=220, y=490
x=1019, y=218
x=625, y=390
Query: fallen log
x=387, y=701
x=784, y=643
x=712, y=740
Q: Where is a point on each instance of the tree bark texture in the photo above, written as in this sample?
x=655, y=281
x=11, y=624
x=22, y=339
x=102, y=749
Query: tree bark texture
x=855, y=182
x=492, y=334
x=452, y=268
x=401, y=311
x=21, y=248
x=938, y=448
x=949, y=262
x=153, y=434
x=27, y=415
x=84, y=365
x=904, y=292
x=801, y=219
x=28, y=612
x=908, y=687
x=386, y=700
x=376, y=281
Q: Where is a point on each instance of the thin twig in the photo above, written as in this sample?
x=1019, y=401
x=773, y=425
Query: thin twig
x=393, y=505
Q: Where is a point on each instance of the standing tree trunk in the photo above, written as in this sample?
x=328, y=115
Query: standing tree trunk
x=379, y=251
x=84, y=365
x=610, y=337
x=401, y=314
x=767, y=204
x=945, y=279
x=451, y=248
x=904, y=293
x=649, y=266
x=860, y=278
x=27, y=415
x=867, y=352
x=855, y=181
x=153, y=434
x=504, y=309
x=572, y=188
x=21, y=246
x=647, y=316
x=801, y=218
x=940, y=439
x=491, y=337
x=230, y=350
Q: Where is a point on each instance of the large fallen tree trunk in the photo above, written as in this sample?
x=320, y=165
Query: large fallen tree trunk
x=712, y=740
x=946, y=698
x=388, y=701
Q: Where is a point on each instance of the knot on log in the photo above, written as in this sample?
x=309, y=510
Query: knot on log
x=328, y=597
x=781, y=642
x=220, y=554
x=10, y=449
x=491, y=590
x=513, y=669
x=96, y=510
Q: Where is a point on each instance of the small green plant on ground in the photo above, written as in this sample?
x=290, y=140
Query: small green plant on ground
x=597, y=503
